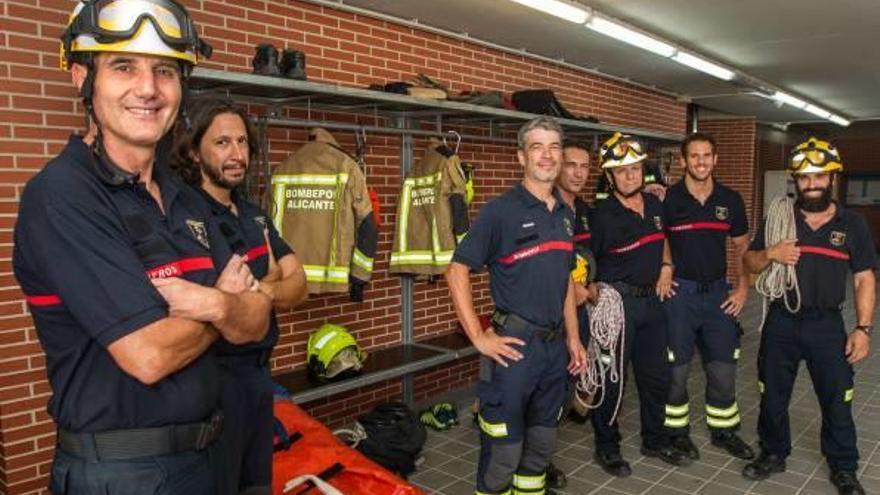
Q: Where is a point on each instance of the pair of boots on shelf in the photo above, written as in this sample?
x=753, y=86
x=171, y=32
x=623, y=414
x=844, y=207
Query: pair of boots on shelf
x=291, y=66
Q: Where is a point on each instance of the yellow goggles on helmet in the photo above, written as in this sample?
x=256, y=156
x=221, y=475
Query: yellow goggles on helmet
x=621, y=150
x=153, y=27
x=815, y=156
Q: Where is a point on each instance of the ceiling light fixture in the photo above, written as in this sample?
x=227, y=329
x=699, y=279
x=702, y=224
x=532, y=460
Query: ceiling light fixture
x=559, y=8
x=703, y=65
x=837, y=119
x=817, y=111
x=630, y=36
x=789, y=100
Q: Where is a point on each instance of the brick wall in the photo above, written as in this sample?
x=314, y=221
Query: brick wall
x=38, y=110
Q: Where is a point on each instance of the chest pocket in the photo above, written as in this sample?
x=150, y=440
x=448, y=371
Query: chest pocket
x=233, y=237
x=526, y=231
x=151, y=247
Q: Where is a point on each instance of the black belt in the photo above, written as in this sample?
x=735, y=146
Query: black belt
x=513, y=322
x=141, y=442
x=628, y=290
x=259, y=358
x=693, y=287
x=804, y=313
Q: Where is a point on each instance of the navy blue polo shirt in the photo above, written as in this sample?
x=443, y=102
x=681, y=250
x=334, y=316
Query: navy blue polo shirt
x=528, y=250
x=244, y=236
x=582, y=213
x=698, y=232
x=843, y=244
x=84, y=255
x=628, y=248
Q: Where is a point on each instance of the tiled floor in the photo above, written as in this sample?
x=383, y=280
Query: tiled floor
x=451, y=457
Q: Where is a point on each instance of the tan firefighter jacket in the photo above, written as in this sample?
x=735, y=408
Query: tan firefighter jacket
x=322, y=208
x=431, y=214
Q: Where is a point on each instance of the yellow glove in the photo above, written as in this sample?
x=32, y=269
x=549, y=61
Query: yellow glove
x=581, y=270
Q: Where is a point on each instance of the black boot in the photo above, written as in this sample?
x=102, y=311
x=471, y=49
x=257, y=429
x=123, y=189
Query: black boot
x=734, y=445
x=762, y=467
x=265, y=61
x=683, y=444
x=293, y=64
x=669, y=455
x=613, y=464
x=555, y=477
x=847, y=483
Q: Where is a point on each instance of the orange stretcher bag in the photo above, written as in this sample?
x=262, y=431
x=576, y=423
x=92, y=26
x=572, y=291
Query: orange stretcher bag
x=306, y=449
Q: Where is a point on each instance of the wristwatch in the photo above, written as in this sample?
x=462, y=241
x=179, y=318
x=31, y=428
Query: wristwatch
x=666, y=263
x=865, y=328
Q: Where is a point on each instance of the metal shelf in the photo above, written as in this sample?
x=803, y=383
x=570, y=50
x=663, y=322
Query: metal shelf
x=279, y=92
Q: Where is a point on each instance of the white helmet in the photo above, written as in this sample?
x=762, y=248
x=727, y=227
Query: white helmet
x=147, y=27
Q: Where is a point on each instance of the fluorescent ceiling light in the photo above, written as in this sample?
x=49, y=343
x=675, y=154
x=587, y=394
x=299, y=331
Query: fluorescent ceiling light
x=837, y=119
x=703, y=66
x=558, y=8
x=818, y=112
x=633, y=37
x=789, y=100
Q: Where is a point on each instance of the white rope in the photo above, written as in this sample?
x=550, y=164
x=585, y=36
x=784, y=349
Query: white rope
x=352, y=437
x=778, y=279
x=603, y=361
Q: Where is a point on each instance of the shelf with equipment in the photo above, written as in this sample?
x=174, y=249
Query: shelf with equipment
x=392, y=114
x=278, y=92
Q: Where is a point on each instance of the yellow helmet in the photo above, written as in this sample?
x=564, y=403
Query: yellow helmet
x=620, y=150
x=147, y=27
x=814, y=156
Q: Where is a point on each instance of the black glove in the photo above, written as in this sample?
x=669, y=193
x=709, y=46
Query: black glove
x=356, y=290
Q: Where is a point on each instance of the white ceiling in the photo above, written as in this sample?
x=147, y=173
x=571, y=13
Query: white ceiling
x=826, y=52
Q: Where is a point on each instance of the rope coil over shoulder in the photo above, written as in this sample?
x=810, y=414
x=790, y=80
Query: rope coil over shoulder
x=778, y=279
x=603, y=360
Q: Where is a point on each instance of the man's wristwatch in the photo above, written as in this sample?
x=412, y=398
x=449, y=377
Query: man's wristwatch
x=865, y=328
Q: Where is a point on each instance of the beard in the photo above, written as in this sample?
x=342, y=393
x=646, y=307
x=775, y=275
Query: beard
x=215, y=176
x=814, y=205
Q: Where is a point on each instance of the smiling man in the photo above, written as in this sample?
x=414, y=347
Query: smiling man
x=633, y=257
x=830, y=243
x=525, y=238
x=120, y=264
x=701, y=214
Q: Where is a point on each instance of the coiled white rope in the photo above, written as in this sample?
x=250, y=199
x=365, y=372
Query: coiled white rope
x=779, y=280
x=603, y=361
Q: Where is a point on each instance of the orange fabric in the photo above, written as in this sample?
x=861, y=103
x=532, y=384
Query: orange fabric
x=377, y=207
x=318, y=449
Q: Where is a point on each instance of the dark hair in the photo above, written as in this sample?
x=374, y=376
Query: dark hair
x=580, y=145
x=698, y=136
x=187, y=138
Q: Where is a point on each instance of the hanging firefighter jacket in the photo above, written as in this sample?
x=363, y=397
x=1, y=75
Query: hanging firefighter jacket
x=321, y=206
x=431, y=213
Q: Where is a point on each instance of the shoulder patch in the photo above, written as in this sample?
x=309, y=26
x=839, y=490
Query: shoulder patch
x=198, y=230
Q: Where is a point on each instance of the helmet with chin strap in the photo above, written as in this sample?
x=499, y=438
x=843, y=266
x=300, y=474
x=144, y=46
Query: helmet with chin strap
x=141, y=27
